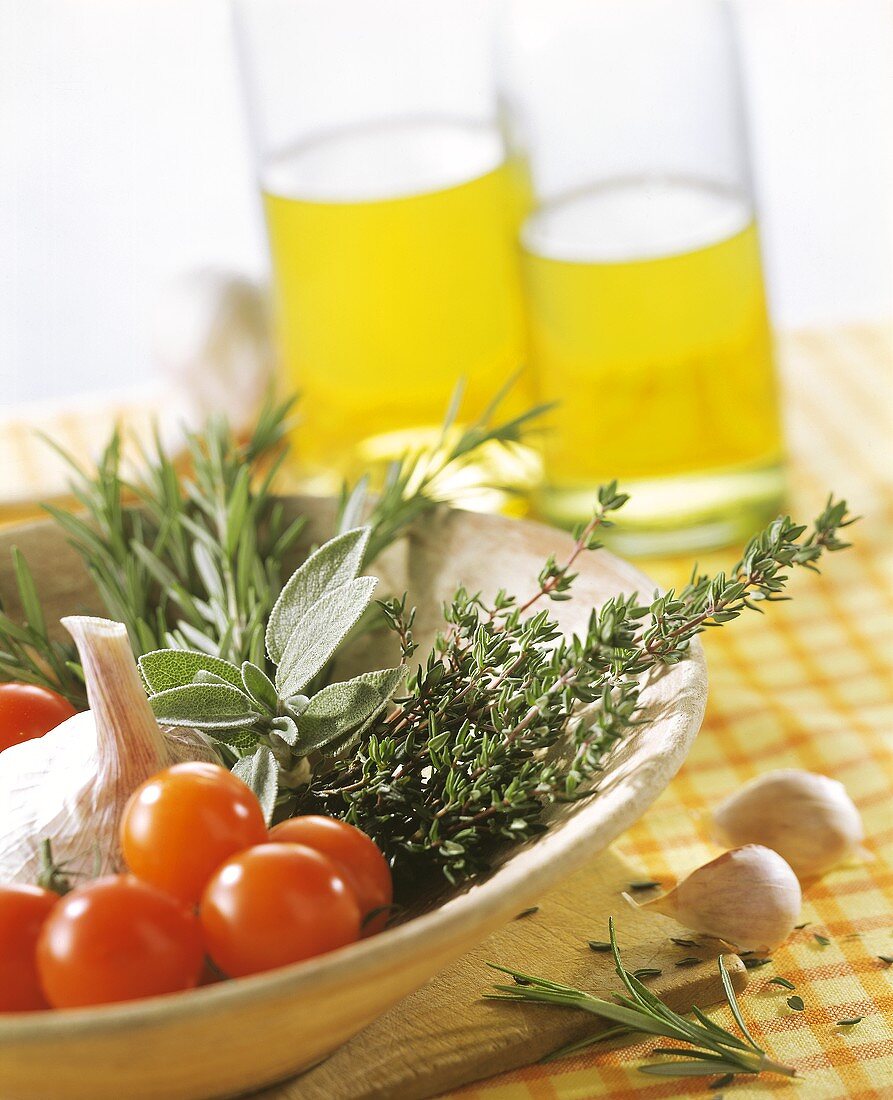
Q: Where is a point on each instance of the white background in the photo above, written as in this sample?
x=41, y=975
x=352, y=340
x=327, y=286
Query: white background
x=124, y=161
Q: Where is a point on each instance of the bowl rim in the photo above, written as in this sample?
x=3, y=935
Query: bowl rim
x=565, y=848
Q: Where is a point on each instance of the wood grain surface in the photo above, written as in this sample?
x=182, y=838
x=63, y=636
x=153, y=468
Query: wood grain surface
x=445, y=1034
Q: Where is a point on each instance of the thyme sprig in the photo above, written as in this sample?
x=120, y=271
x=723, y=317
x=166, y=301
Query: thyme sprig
x=505, y=716
x=707, y=1049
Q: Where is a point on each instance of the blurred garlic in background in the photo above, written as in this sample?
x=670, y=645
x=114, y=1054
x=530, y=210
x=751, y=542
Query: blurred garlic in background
x=809, y=819
x=212, y=342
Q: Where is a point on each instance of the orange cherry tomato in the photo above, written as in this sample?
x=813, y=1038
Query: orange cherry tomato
x=273, y=905
x=28, y=711
x=23, y=911
x=356, y=857
x=118, y=939
x=181, y=824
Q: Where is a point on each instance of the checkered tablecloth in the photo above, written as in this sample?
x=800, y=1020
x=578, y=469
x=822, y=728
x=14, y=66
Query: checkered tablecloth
x=808, y=685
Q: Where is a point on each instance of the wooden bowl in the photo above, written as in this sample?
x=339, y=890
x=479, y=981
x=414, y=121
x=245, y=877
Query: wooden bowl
x=230, y=1038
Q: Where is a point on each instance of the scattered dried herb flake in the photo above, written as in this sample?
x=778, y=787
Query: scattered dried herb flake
x=782, y=982
x=796, y=1003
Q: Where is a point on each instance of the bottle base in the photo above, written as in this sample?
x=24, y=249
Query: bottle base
x=689, y=512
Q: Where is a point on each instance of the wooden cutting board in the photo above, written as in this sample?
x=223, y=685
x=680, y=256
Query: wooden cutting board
x=445, y=1035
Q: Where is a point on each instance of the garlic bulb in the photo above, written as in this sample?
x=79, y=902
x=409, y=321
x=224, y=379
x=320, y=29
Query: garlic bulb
x=748, y=897
x=808, y=819
x=70, y=785
x=212, y=339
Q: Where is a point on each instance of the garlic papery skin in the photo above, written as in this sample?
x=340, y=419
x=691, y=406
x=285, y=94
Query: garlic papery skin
x=70, y=786
x=808, y=819
x=748, y=897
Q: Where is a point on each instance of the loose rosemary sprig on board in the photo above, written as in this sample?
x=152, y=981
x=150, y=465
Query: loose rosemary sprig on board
x=708, y=1050
x=505, y=716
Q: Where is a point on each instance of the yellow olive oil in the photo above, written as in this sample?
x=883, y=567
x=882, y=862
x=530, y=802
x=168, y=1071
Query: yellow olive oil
x=394, y=253
x=648, y=322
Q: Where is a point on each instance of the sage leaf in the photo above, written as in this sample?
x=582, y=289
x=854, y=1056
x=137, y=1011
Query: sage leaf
x=340, y=708
x=204, y=706
x=334, y=564
x=259, y=686
x=205, y=677
x=169, y=668
x=243, y=741
x=295, y=705
x=321, y=631
x=286, y=728
x=260, y=772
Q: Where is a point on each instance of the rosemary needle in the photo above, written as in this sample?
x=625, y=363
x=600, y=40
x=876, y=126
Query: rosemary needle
x=708, y=1050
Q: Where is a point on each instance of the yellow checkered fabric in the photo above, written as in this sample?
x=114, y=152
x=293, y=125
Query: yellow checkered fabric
x=808, y=685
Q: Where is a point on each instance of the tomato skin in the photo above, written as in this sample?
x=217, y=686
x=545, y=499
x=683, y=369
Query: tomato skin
x=273, y=905
x=182, y=823
x=118, y=939
x=356, y=857
x=23, y=911
x=28, y=711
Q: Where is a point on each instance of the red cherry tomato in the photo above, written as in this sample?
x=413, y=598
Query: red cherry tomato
x=28, y=711
x=273, y=905
x=181, y=824
x=356, y=857
x=118, y=939
x=23, y=911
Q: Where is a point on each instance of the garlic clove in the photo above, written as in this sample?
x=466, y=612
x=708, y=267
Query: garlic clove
x=809, y=819
x=748, y=897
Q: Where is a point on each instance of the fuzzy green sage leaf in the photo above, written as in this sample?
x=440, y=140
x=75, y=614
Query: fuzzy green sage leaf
x=334, y=564
x=342, y=707
x=259, y=686
x=260, y=772
x=320, y=632
x=169, y=668
x=205, y=706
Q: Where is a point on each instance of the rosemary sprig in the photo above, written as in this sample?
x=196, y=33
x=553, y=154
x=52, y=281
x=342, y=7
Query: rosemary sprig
x=505, y=716
x=195, y=560
x=188, y=560
x=707, y=1049
x=420, y=479
x=27, y=653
